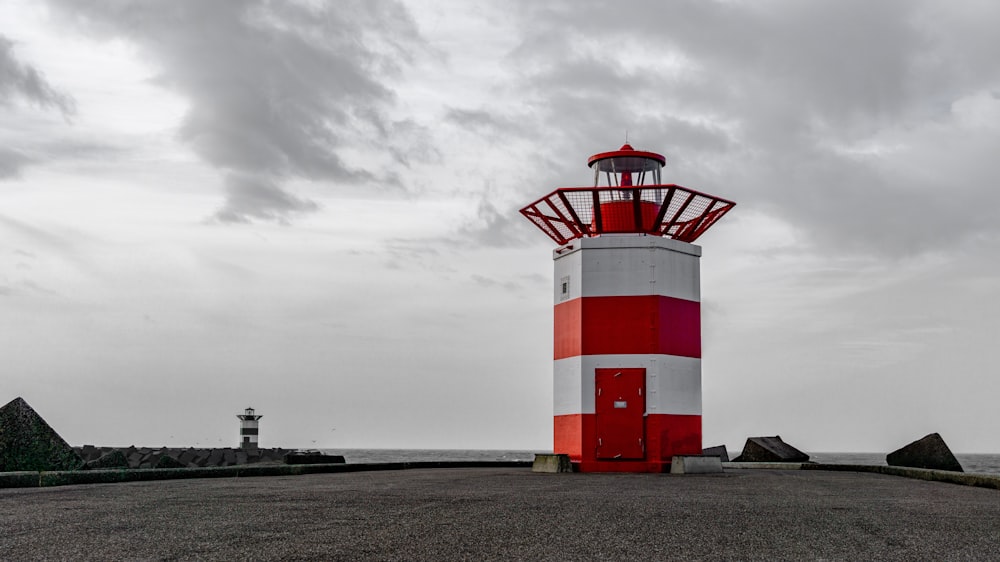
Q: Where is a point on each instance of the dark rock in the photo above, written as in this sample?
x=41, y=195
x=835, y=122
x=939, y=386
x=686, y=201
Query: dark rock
x=134, y=457
x=718, y=451
x=148, y=459
x=187, y=457
x=268, y=455
x=312, y=457
x=28, y=443
x=91, y=453
x=201, y=457
x=770, y=449
x=273, y=455
x=166, y=461
x=113, y=459
x=215, y=458
x=927, y=452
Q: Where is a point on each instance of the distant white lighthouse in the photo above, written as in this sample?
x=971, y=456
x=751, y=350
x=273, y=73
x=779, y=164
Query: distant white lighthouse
x=248, y=429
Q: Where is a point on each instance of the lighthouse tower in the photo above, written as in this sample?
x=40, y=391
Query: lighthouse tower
x=248, y=429
x=627, y=357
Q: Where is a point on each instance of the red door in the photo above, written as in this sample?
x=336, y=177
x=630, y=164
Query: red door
x=620, y=406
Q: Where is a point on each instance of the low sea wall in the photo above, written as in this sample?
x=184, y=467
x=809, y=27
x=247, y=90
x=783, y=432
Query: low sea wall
x=70, y=477
x=963, y=478
x=110, y=476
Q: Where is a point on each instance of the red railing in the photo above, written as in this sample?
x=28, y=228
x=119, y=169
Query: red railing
x=670, y=210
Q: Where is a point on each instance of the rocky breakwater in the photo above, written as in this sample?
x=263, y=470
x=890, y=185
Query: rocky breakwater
x=171, y=457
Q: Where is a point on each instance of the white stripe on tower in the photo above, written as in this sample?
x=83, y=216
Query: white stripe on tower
x=626, y=266
x=673, y=383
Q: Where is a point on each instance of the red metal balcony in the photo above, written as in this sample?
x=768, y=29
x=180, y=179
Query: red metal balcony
x=668, y=210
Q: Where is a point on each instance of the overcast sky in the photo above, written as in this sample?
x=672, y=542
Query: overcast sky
x=311, y=208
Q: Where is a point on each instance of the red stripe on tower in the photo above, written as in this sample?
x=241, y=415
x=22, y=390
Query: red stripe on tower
x=634, y=324
x=667, y=435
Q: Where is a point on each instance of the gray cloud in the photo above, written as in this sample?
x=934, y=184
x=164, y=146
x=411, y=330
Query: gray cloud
x=494, y=228
x=484, y=122
x=768, y=106
x=276, y=89
x=11, y=162
x=20, y=80
x=256, y=197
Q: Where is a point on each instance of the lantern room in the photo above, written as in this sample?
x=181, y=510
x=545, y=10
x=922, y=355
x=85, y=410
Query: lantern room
x=626, y=167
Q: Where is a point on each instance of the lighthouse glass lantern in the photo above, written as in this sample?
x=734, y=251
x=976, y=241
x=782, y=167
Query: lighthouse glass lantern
x=627, y=313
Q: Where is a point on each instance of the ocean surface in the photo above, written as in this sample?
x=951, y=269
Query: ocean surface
x=974, y=463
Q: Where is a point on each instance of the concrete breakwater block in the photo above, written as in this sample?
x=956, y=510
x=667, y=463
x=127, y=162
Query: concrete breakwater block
x=551, y=463
x=112, y=459
x=136, y=457
x=695, y=464
x=187, y=457
x=929, y=451
x=27, y=442
x=166, y=461
x=312, y=457
x=718, y=451
x=770, y=449
x=215, y=458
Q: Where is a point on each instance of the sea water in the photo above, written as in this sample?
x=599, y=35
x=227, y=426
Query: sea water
x=973, y=463
x=422, y=455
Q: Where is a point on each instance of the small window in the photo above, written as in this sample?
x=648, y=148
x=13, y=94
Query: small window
x=564, y=288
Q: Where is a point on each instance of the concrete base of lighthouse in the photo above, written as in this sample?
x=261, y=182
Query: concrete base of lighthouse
x=627, y=370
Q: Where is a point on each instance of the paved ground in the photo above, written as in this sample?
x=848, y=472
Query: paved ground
x=506, y=513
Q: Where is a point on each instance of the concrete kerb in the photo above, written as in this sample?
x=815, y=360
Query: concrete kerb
x=695, y=464
x=20, y=479
x=111, y=476
x=764, y=465
x=964, y=478
x=29, y=479
x=551, y=463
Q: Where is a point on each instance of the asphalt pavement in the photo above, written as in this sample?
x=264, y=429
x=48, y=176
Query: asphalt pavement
x=506, y=514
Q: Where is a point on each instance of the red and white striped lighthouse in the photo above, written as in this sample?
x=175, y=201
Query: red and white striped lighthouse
x=627, y=373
